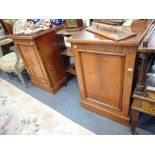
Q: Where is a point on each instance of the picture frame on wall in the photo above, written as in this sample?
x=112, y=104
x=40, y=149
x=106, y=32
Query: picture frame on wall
x=74, y=23
x=71, y=23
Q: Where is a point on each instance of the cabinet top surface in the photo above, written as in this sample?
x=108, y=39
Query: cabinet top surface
x=140, y=27
x=33, y=36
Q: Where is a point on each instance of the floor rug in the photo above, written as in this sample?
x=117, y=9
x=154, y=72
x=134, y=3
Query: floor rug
x=21, y=114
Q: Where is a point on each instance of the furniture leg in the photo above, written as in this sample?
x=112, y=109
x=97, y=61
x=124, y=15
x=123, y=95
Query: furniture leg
x=134, y=119
x=21, y=78
x=141, y=83
x=9, y=75
x=12, y=74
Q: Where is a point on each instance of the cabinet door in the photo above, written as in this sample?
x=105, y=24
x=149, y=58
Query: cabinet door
x=101, y=76
x=33, y=62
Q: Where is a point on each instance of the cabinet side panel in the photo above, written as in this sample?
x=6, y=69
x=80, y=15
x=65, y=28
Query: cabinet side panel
x=50, y=52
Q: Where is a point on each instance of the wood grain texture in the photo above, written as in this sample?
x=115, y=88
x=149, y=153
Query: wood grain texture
x=144, y=106
x=52, y=58
x=140, y=27
x=112, y=34
x=144, y=100
x=97, y=79
x=101, y=78
x=105, y=71
x=41, y=55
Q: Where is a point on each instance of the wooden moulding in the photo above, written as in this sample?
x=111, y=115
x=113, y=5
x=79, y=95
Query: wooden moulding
x=105, y=113
x=112, y=34
x=140, y=27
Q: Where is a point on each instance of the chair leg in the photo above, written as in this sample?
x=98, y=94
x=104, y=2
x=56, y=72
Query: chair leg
x=1, y=72
x=134, y=119
x=21, y=78
x=9, y=75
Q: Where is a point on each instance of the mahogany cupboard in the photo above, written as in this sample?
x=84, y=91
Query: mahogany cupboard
x=41, y=55
x=105, y=70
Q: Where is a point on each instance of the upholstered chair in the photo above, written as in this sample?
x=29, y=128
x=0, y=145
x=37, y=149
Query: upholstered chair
x=4, y=42
x=11, y=62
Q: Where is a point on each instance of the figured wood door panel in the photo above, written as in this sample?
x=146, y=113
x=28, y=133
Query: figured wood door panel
x=50, y=52
x=103, y=75
x=32, y=63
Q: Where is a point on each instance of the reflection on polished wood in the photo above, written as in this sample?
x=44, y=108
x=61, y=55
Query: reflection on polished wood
x=105, y=70
x=41, y=55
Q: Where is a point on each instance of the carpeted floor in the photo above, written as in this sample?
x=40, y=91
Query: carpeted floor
x=67, y=102
x=20, y=113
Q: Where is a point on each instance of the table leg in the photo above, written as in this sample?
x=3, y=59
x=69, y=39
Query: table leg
x=140, y=90
x=134, y=119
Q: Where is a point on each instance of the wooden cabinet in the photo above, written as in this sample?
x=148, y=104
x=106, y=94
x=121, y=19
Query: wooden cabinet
x=41, y=55
x=105, y=71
